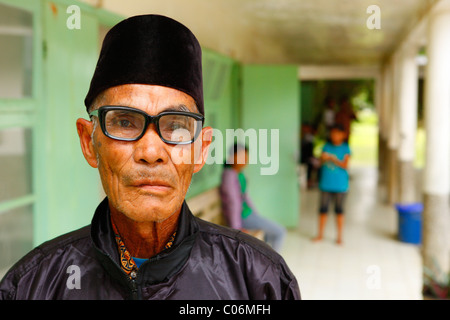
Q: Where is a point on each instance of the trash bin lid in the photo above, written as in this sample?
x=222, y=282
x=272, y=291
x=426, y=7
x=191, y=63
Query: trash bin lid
x=410, y=207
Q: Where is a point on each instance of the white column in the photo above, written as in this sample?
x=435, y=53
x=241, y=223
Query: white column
x=408, y=94
x=393, y=135
x=437, y=106
x=387, y=94
x=436, y=188
x=379, y=104
x=393, y=140
x=383, y=107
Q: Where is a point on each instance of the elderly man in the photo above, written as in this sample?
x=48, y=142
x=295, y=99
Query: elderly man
x=147, y=139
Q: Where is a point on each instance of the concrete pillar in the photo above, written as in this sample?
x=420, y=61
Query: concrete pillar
x=381, y=159
x=385, y=114
x=407, y=104
x=378, y=87
x=393, y=134
x=436, y=187
x=379, y=104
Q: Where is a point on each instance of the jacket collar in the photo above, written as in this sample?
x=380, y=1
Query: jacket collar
x=158, y=268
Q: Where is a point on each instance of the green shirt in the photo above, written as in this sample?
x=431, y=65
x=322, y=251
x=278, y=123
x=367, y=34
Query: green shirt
x=246, y=210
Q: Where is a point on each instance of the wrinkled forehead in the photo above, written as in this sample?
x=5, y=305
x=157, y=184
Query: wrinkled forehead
x=149, y=98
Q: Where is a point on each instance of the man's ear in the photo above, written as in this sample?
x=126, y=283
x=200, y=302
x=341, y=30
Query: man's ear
x=84, y=129
x=206, y=138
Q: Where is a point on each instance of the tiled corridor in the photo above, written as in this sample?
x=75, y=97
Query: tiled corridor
x=371, y=264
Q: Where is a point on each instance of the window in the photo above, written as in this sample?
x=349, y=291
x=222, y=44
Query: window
x=16, y=54
x=16, y=132
x=15, y=163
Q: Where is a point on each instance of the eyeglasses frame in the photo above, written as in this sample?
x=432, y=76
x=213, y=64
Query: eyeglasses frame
x=101, y=112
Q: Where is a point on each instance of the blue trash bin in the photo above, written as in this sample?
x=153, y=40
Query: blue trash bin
x=410, y=222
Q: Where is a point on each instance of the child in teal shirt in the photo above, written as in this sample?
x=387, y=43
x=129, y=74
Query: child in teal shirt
x=334, y=179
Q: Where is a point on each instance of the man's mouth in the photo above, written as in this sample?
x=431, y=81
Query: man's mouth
x=152, y=185
x=149, y=182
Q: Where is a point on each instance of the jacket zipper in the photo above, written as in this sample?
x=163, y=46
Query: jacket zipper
x=134, y=291
x=133, y=276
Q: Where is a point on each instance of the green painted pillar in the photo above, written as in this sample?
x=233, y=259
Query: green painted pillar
x=270, y=107
x=67, y=188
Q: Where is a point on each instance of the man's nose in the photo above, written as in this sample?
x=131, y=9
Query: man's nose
x=150, y=149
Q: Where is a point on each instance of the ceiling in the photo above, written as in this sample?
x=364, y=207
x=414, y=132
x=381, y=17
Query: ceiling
x=304, y=32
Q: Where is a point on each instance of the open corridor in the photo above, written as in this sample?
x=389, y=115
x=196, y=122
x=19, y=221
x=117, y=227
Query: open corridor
x=371, y=264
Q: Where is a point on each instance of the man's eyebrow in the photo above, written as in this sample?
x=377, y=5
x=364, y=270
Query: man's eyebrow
x=180, y=107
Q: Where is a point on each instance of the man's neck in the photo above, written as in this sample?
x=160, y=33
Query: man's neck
x=144, y=239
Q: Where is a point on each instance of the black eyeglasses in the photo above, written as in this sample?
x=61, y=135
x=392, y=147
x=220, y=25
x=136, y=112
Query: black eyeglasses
x=130, y=124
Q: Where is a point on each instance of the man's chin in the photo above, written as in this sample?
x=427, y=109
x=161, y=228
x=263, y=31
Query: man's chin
x=149, y=208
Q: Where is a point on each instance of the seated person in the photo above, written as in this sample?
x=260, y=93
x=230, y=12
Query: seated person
x=238, y=209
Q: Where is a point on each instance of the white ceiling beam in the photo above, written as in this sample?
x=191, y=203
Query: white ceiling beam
x=337, y=72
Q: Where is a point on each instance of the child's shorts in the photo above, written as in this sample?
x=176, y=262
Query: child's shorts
x=325, y=198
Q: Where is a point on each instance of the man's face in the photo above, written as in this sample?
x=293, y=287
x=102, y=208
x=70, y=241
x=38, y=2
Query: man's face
x=146, y=180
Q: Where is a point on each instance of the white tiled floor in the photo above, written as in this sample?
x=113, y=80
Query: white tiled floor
x=371, y=264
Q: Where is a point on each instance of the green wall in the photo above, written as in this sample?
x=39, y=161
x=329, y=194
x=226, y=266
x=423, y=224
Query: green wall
x=68, y=190
x=270, y=100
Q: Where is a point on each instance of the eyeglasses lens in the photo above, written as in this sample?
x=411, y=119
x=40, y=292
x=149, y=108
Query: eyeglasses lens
x=124, y=124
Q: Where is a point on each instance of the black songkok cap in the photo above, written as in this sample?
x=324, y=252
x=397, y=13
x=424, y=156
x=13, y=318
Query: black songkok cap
x=149, y=49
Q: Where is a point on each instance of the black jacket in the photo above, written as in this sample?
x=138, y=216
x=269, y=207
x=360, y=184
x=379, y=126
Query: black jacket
x=206, y=261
